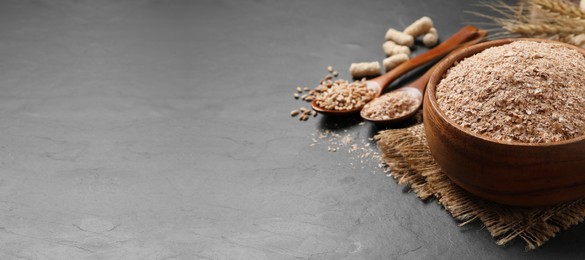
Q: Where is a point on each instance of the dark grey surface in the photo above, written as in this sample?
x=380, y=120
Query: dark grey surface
x=160, y=130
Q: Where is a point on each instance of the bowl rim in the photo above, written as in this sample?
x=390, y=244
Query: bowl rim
x=458, y=55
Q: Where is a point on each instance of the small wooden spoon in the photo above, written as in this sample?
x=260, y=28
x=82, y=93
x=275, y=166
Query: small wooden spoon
x=378, y=84
x=415, y=89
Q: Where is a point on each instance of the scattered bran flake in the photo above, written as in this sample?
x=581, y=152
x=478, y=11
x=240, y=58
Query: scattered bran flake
x=359, y=149
x=334, y=142
x=525, y=91
x=346, y=140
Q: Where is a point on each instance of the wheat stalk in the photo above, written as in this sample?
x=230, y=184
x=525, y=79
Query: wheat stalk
x=560, y=7
x=542, y=28
x=553, y=19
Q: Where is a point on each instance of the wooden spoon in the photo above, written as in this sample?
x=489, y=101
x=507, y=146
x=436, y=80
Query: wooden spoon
x=378, y=84
x=415, y=89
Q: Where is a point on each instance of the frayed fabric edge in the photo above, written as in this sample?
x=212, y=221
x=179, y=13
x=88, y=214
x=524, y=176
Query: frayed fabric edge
x=411, y=163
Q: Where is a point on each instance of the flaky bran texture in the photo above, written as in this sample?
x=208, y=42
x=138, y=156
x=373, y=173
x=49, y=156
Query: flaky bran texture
x=524, y=91
x=391, y=105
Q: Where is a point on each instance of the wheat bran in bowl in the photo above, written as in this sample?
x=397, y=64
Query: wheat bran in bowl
x=524, y=91
x=516, y=166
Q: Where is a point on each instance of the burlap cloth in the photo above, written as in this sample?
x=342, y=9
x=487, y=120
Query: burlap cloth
x=406, y=153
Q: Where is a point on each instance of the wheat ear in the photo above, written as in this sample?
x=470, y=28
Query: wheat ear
x=560, y=8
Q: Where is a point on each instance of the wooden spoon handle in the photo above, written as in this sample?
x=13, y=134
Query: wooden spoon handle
x=421, y=83
x=464, y=34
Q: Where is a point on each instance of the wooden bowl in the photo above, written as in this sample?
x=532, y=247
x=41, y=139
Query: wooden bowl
x=519, y=174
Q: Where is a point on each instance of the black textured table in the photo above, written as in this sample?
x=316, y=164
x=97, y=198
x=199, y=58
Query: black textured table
x=161, y=130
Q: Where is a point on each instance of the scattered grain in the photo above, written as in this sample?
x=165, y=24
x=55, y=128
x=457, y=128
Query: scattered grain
x=294, y=113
